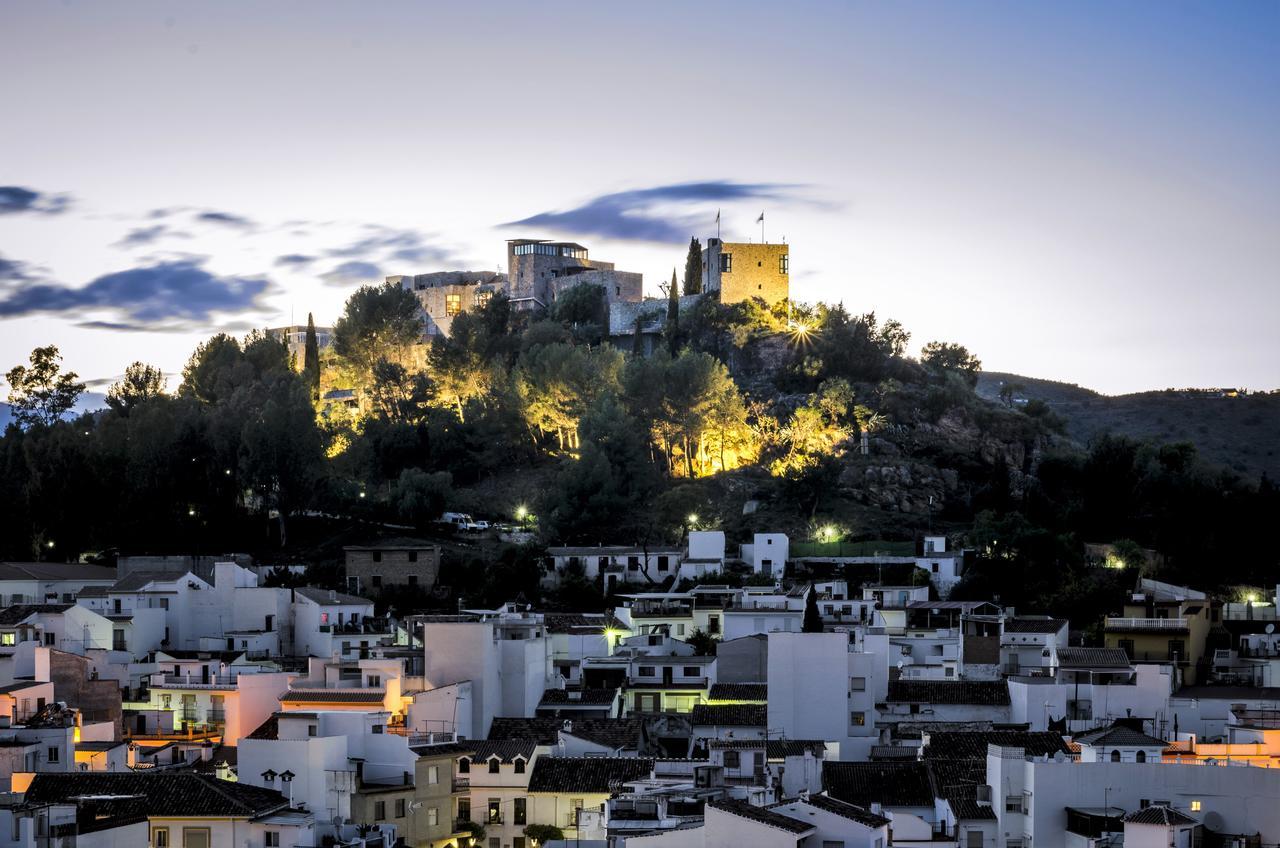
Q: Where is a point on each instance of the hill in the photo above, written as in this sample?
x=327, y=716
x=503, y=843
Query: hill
x=1237, y=432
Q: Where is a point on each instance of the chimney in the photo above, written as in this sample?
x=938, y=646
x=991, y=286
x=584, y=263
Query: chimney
x=333, y=596
x=206, y=751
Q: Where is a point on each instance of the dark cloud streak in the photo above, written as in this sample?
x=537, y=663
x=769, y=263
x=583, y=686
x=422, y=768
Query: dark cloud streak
x=17, y=199
x=141, y=297
x=631, y=215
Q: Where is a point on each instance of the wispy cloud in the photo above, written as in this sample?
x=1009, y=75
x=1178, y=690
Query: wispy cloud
x=392, y=244
x=295, y=260
x=13, y=271
x=140, y=236
x=352, y=273
x=226, y=219
x=140, y=298
x=17, y=199
x=659, y=214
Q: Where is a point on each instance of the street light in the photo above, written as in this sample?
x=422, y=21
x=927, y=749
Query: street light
x=693, y=518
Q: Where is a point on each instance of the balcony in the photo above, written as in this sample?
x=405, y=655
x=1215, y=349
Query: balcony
x=461, y=784
x=1149, y=625
x=215, y=716
x=177, y=681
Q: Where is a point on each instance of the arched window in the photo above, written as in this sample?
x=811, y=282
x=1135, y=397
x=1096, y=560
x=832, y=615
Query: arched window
x=1115, y=756
x=1142, y=756
x=464, y=766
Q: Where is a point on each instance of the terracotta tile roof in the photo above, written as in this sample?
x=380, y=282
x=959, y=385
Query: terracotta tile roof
x=761, y=815
x=506, y=750
x=853, y=812
x=1093, y=658
x=978, y=692
x=1119, y=735
x=331, y=696
x=739, y=692
x=730, y=715
x=583, y=697
x=973, y=745
x=269, y=729
x=1159, y=814
x=1034, y=625
x=618, y=733
x=168, y=793
x=586, y=774
x=890, y=784
x=968, y=809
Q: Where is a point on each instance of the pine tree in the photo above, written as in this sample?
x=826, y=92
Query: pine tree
x=812, y=621
x=673, y=315
x=311, y=359
x=693, y=268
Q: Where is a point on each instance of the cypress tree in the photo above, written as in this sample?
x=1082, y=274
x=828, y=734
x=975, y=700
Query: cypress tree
x=693, y=268
x=311, y=359
x=812, y=620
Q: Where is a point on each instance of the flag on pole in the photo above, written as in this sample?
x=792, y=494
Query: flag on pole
x=717, y=216
x=760, y=220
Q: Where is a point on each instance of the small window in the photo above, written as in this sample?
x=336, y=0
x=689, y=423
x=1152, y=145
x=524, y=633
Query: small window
x=726, y=263
x=195, y=837
x=311, y=730
x=691, y=671
x=377, y=556
x=377, y=730
x=663, y=563
x=494, y=764
x=413, y=556
x=452, y=305
x=271, y=839
x=433, y=816
x=1195, y=806
x=376, y=581
x=784, y=263
x=1115, y=756
x=464, y=766
x=413, y=580
x=647, y=671
x=54, y=754
x=379, y=810
x=857, y=684
x=433, y=775
x=732, y=759
x=519, y=764
x=1142, y=756
x=973, y=839
x=160, y=837
x=858, y=719
x=399, y=808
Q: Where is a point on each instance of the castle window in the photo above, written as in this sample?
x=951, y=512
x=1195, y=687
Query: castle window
x=452, y=305
x=726, y=263
x=784, y=263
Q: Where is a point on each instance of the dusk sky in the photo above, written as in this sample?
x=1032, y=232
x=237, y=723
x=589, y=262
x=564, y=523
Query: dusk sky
x=1088, y=193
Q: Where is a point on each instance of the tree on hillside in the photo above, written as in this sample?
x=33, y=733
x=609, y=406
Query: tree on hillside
x=281, y=452
x=585, y=311
x=41, y=393
x=672, y=329
x=948, y=357
x=693, y=268
x=557, y=383
x=397, y=394
x=605, y=492
x=311, y=359
x=140, y=383
x=210, y=373
x=378, y=322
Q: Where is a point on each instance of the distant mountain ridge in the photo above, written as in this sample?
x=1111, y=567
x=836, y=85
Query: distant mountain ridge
x=1239, y=432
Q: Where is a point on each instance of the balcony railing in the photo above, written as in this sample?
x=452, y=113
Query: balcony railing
x=186, y=681
x=214, y=716
x=461, y=784
x=1155, y=625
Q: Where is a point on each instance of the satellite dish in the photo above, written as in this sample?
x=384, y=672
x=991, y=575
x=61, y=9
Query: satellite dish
x=1271, y=628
